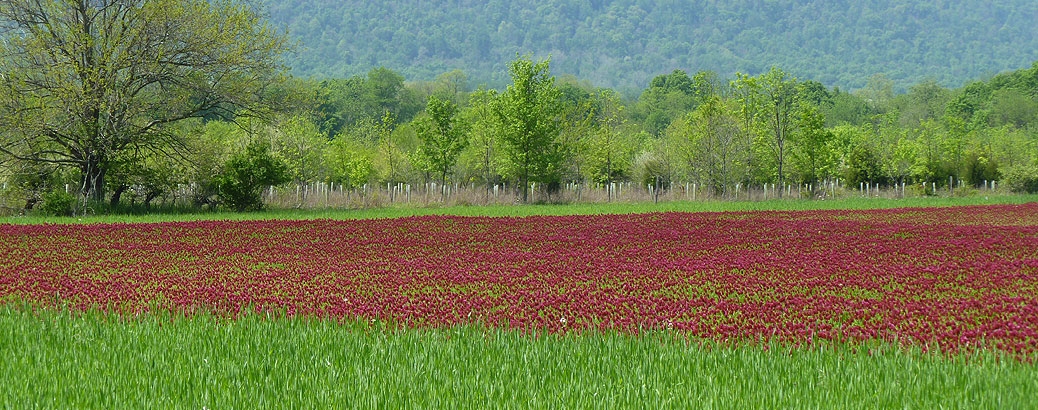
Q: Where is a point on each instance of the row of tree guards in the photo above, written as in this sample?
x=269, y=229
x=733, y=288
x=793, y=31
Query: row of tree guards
x=325, y=195
x=330, y=194
x=691, y=190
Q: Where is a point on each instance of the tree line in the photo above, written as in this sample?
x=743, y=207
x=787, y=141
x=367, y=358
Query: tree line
x=96, y=118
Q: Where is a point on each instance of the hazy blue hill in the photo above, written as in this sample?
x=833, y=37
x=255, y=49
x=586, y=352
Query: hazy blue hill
x=623, y=43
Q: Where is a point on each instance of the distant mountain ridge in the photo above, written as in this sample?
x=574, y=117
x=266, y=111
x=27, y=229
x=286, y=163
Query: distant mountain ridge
x=622, y=44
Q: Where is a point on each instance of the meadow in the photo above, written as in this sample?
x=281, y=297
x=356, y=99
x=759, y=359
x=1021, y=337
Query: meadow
x=852, y=304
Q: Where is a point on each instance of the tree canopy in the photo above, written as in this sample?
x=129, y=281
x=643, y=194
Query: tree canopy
x=97, y=83
x=529, y=118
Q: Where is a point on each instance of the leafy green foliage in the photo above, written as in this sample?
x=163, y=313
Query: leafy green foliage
x=1022, y=178
x=863, y=167
x=1012, y=107
x=609, y=144
x=85, y=83
x=667, y=98
x=240, y=184
x=58, y=203
x=981, y=169
x=297, y=141
x=715, y=144
x=349, y=162
x=717, y=134
x=442, y=137
x=482, y=157
x=393, y=145
x=812, y=158
x=346, y=102
x=29, y=181
x=145, y=178
x=771, y=97
x=529, y=114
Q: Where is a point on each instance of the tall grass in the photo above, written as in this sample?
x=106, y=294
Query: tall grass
x=59, y=359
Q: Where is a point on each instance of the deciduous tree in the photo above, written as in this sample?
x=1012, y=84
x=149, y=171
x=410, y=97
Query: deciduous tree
x=529, y=112
x=609, y=149
x=773, y=100
x=86, y=80
x=716, y=151
x=482, y=156
x=442, y=137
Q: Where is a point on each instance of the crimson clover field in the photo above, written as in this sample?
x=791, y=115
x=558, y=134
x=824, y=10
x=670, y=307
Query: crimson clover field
x=932, y=307
x=939, y=279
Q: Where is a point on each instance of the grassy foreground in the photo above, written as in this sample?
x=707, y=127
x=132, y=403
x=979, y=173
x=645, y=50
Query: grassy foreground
x=530, y=210
x=51, y=359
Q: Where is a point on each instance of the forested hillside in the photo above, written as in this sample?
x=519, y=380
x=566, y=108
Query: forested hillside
x=622, y=44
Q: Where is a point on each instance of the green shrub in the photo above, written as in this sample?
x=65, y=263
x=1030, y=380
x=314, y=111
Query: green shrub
x=863, y=166
x=1021, y=178
x=58, y=203
x=240, y=185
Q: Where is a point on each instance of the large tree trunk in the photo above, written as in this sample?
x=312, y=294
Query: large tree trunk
x=525, y=177
x=92, y=183
x=525, y=188
x=152, y=194
x=117, y=195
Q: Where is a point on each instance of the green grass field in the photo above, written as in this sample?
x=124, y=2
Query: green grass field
x=93, y=360
x=60, y=359
x=529, y=210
